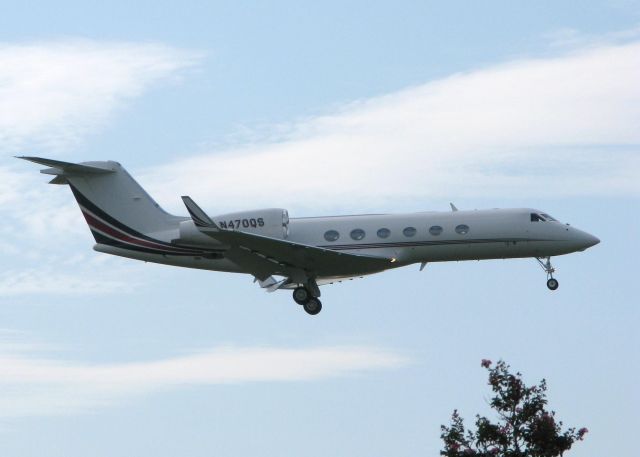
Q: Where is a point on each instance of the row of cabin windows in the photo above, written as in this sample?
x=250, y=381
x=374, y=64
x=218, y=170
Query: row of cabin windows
x=359, y=234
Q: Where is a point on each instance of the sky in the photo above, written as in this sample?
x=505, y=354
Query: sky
x=246, y=105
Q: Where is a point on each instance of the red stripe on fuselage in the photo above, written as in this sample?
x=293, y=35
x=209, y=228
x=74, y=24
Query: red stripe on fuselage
x=99, y=225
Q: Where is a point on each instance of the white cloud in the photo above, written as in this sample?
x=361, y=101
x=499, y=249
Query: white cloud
x=557, y=126
x=567, y=37
x=52, y=94
x=44, y=281
x=31, y=385
x=45, y=244
x=561, y=126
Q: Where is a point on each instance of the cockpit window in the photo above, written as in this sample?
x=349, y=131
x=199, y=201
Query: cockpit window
x=542, y=217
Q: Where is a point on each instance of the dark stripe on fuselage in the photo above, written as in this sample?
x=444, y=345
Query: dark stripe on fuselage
x=84, y=201
x=104, y=234
x=103, y=239
x=123, y=239
x=407, y=244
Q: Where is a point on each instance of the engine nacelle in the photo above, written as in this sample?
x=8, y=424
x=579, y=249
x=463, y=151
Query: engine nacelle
x=272, y=222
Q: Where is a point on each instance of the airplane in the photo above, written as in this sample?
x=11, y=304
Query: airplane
x=302, y=254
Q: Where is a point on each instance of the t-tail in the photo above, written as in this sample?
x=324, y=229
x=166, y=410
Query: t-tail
x=116, y=207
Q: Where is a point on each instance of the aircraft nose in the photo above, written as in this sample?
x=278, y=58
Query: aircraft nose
x=593, y=240
x=587, y=240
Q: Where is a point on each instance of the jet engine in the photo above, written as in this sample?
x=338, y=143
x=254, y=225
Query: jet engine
x=271, y=222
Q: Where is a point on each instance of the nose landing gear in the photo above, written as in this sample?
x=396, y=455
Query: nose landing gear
x=552, y=283
x=303, y=297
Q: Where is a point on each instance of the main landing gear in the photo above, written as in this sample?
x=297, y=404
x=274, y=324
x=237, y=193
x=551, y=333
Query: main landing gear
x=552, y=283
x=302, y=296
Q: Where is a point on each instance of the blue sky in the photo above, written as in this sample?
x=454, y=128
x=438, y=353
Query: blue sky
x=253, y=105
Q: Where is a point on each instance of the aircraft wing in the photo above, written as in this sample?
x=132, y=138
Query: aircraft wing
x=264, y=256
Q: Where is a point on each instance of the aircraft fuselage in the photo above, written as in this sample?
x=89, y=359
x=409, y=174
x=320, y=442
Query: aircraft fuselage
x=305, y=252
x=413, y=238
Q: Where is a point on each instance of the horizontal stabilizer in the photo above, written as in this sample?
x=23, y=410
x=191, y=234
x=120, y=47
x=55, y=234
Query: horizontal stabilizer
x=59, y=180
x=66, y=167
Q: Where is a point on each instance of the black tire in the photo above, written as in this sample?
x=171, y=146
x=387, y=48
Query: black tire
x=301, y=295
x=313, y=306
x=552, y=284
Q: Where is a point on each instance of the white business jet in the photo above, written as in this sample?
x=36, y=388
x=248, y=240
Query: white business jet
x=302, y=253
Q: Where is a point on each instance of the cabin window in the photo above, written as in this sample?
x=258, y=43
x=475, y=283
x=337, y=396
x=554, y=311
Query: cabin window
x=409, y=231
x=357, y=234
x=331, y=235
x=384, y=233
x=537, y=218
x=462, y=229
x=435, y=230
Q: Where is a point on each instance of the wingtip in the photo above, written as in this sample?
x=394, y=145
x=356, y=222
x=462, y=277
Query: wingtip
x=200, y=218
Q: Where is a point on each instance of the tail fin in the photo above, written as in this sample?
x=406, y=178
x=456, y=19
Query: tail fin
x=107, y=194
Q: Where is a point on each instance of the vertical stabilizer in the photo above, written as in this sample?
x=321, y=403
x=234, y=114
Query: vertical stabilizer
x=109, y=196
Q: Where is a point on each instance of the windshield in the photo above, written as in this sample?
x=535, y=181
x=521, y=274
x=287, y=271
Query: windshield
x=542, y=217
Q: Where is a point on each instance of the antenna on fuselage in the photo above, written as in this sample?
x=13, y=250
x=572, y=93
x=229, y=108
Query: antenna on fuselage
x=453, y=207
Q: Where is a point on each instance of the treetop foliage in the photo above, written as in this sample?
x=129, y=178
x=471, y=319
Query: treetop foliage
x=524, y=426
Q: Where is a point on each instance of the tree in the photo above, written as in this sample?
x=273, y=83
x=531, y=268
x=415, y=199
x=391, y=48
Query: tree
x=524, y=427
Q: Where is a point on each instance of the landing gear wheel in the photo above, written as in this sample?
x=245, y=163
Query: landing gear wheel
x=313, y=306
x=301, y=295
x=552, y=283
